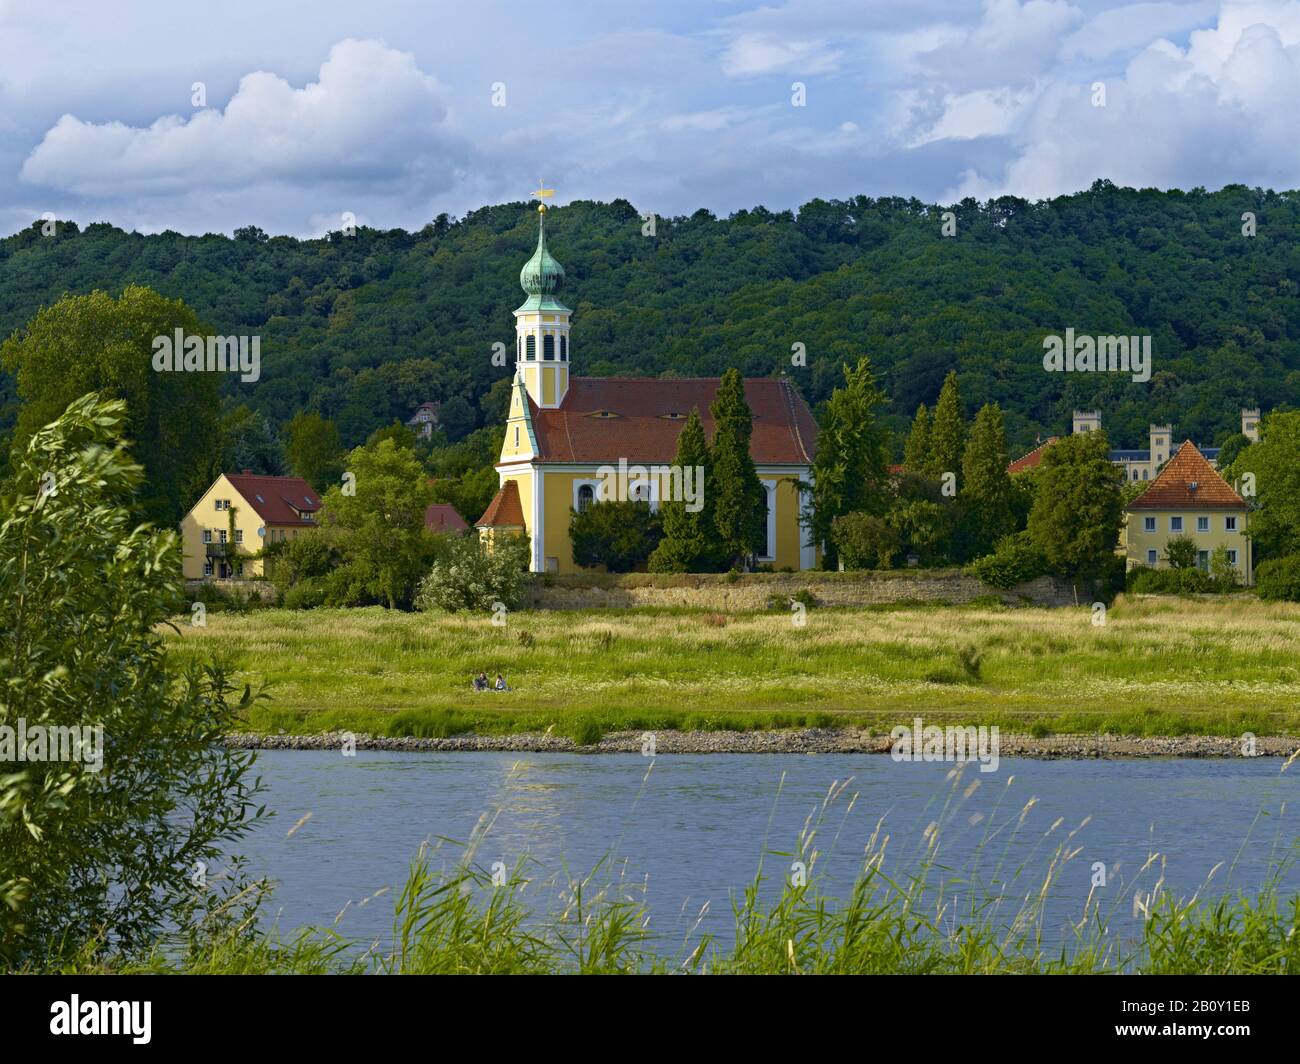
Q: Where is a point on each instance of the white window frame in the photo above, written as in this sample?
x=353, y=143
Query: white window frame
x=595, y=491
x=1230, y=523
x=1202, y=521
x=1153, y=556
x=1175, y=524
x=1232, y=556
x=1148, y=524
x=769, y=555
x=207, y=535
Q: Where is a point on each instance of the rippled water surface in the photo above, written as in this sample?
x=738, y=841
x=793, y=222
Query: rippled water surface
x=691, y=829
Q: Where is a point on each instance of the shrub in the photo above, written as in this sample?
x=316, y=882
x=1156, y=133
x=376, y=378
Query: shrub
x=1014, y=561
x=97, y=851
x=307, y=594
x=865, y=541
x=1278, y=579
x=473, y=576
x=618, y=535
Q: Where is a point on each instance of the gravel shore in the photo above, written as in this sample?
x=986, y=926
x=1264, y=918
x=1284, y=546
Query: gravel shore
x=793, y=741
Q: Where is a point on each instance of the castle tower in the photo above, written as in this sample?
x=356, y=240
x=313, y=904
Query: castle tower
x=1087, y=421
x=542, y=322
x=1162, y=437
x=1250, y=424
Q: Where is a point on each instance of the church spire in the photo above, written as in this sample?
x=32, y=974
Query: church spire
x=542, y=321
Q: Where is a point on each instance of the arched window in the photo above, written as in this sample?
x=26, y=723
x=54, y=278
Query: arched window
x=769, y=549
x=586, y=496
x=564, y=349
x=530, y=348
x=548, y=348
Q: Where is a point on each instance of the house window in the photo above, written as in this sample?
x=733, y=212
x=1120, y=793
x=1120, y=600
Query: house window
x=530, y=348
x=769, y=520
x=239, y=535
x=1203, y=560
x=586, y=496
x=1152, y=557
x=207, y=535
x=1230, y=524
x=1148, y=524
x=1175, y=524
x=1144, y=474
x=239, y=570
x=1232, y=557
x=564, y=349
x=207, y=566
x=1202, y=524
x=552, y=565
x=221, y=536
x=548, y=348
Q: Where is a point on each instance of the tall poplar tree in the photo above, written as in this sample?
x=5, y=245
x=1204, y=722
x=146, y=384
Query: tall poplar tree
x=986, y=493
x=738, y=496
x=917, y=449
x=851, y=470
x=947, y=431
x=690, y=539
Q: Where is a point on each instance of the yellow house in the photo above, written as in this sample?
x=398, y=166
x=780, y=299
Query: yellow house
x=566, y=437
x=237, y=516
x=1187, y=498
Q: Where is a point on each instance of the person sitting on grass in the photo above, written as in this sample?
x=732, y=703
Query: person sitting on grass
x=501, y=683
x=480, y=682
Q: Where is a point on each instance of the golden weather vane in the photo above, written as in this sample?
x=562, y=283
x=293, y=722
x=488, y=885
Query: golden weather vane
x=543, y=193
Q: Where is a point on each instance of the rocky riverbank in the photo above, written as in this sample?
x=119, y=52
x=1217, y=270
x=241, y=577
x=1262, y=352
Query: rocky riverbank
x=792, y=741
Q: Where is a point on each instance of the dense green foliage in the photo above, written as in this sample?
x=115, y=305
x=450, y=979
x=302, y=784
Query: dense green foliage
x=1274, y=465
x=96, y=343
x=1077, y=507
x=109, y=845
x=618, y=535
x=1279, y=578
x=689, y=538
x=732, y=481
x=468, y=576
x=364, y=328
x=850, y=471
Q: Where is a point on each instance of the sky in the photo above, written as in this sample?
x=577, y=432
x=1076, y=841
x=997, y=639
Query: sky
x=205, y=115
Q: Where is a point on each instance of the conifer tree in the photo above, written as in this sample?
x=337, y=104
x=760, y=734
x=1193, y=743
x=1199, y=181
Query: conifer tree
x=947, y=431
x=690, y=539
x=986, y=493
x=737, y=494
x=917, y=449
x=851, y=471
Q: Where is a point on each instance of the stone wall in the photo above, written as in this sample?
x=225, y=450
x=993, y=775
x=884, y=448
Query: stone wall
x=753, y=591
x=259, y=589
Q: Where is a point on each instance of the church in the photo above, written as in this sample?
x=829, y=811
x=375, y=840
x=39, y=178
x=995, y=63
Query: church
x=565, y=433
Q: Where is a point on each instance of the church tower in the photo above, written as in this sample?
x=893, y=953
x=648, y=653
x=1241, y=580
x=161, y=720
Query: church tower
x=542, y=323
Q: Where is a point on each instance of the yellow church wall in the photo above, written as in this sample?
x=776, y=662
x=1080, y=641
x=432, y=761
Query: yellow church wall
x=558, y=498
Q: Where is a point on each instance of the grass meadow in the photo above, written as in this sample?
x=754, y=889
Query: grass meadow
x=1158, y=666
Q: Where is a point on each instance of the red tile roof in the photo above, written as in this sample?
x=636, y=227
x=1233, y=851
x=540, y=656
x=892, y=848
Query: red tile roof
x=277, y=500
x=442, y=517
x=505, y=509
x=784, y=431
x=1188, y=482
x=1033, y=457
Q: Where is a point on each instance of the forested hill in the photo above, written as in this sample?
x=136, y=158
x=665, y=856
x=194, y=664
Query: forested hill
x=364, y=328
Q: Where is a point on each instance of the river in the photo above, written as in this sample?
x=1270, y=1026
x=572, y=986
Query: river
x=691, y=829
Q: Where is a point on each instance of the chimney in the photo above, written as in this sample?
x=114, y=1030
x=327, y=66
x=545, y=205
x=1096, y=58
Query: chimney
x=247, y=472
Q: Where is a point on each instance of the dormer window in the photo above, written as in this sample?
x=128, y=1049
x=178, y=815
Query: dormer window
x=675, y=415
x=604, y=414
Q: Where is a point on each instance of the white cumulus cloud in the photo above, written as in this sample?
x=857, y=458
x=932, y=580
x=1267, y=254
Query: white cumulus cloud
x=372, y=116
